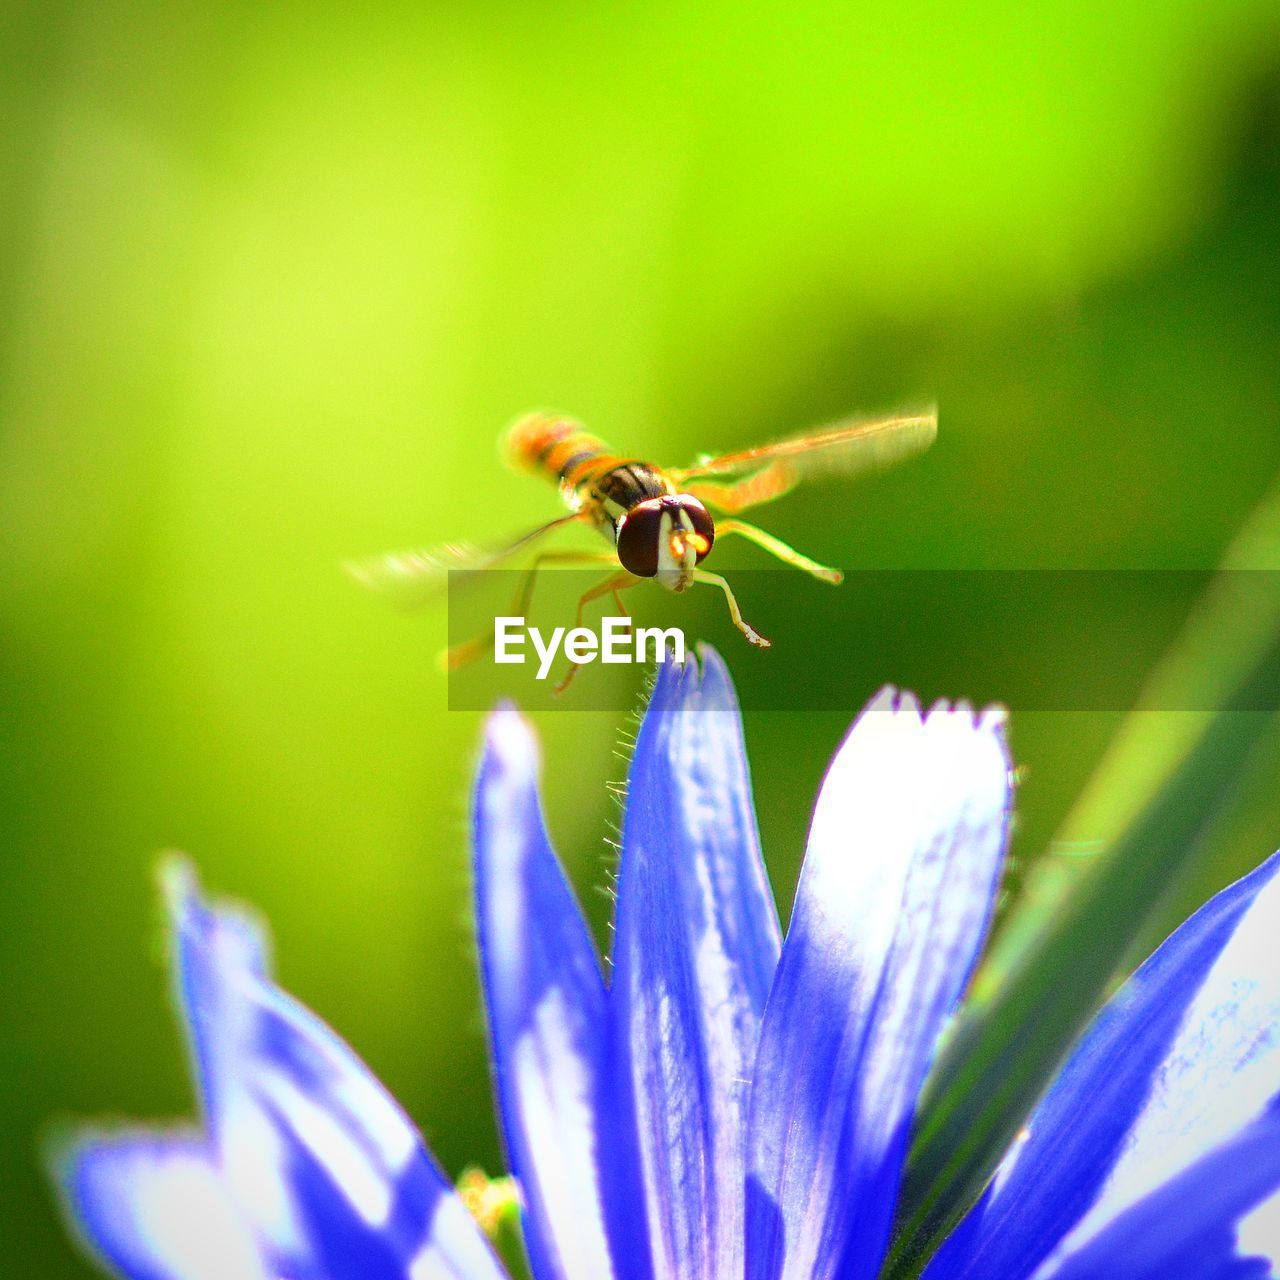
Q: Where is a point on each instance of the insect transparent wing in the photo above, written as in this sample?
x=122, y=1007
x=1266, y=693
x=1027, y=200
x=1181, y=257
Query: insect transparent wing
x=849, y=447
x=415, y=577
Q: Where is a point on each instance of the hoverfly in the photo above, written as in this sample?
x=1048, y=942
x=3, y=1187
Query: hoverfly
x=657, y=520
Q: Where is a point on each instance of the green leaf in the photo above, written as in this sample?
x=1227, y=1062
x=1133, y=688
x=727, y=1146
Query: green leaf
x=1151, y=803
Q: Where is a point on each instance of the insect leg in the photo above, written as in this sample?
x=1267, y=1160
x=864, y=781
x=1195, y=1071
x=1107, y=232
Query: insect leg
x=776, y=547
x=702, y=575
x=461, y=654
x=525, y=597
x=611, y=585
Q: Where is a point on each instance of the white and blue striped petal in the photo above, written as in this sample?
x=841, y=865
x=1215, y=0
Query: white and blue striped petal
x=545, y=998
x=1186, y=1227
x=155, y=1207
x=694, y=956
x=891, y=909
x=329, y=1172
x=1184, y=1056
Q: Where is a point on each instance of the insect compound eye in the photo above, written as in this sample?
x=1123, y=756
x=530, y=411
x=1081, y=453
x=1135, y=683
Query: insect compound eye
x=704, y=529
x=638, y=539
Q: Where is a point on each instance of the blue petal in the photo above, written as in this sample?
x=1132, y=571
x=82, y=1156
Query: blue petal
x=546, y=1003
x=696, y=948
x=1186, y=1228
x=330, y=1172
x=893, y=902
x=154, y=1207
x=1183, y=1055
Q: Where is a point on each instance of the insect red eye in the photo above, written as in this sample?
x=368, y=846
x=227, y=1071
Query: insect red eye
x=638, y=539
x=704, y=529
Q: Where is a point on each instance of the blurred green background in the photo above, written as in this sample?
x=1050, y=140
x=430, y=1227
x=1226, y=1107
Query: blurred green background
x=273, y=280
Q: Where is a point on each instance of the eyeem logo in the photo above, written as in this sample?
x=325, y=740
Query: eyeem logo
x=615, y=643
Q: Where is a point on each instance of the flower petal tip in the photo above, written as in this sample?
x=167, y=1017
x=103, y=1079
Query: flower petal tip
x=179, y=883
x=952, y=734
x=711, y=661
x=903, y=702
x=991, y=719
x=994, y=718
x=716, y=689
x=191, y=918
x=153, y=1204
x=674, y=683
x=887, y=699
x=223, y=933
x=701, y=682
x=509, y=741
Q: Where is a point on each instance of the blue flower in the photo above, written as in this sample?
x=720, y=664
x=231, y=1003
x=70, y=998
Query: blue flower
x=732, y=1105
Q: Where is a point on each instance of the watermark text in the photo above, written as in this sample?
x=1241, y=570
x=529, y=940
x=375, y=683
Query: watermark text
x=616, y=642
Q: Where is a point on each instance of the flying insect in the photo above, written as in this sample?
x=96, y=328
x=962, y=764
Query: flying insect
x=657, y=520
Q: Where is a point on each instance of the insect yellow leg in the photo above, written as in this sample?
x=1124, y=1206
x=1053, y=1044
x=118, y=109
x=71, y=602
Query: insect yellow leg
x=702, y=575
x=775, y=546
x=611, y=585
x=524, y=597
x=462, y=654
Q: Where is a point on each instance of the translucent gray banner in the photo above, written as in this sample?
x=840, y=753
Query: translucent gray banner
x=1044, y=640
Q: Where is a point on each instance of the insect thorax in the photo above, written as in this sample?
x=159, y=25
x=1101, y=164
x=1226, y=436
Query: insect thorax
x=625, y=486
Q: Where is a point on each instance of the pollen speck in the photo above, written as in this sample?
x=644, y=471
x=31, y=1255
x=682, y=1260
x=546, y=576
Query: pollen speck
x=490, y=1201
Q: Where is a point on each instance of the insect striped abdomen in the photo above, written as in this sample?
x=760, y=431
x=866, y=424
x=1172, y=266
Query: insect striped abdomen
x=582, y=464
x=557, y=447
